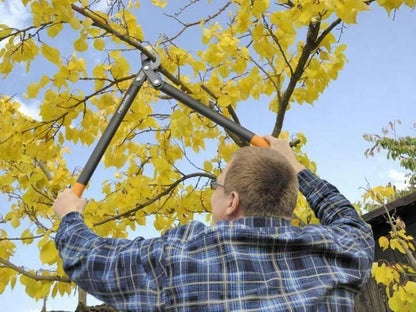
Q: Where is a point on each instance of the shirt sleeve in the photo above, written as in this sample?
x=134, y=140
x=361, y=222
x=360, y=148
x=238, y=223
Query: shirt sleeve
x=337, y=212
x=125, y=274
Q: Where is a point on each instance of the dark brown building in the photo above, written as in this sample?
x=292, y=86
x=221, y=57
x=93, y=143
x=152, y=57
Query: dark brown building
x=372, y=297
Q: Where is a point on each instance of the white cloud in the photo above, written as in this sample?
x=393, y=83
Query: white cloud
x=101, y=6
x=30, y=109
x=398, y=179
x=14, y=14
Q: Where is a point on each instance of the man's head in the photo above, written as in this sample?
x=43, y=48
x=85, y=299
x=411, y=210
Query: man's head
x=258, y=181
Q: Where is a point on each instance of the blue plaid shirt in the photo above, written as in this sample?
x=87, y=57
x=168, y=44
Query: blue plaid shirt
x=251, y=264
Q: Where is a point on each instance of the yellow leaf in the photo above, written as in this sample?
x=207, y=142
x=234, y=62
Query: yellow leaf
x=15, y=222
x=51, y=54
x=33, y=89
x=395, y=244
x=95, y=32
x=13, y=281
x=43, y=81
x=5, y=30
x=207, y=166
x=27, y=237
x=48, y=253
x=384, y=274
x=6, y=67
x=81, y=45
x=206, y=35
x=159, y=3
x=75, y=23
x=42, y=289
x=390, y=5
x=411, y=287
x=412, y=307
x=347, y=10
x=99, y=44
x=383, y=242
x=64, y=288
x=55, y=29
x=174, y=153
x=259, y=7
x=87, y=22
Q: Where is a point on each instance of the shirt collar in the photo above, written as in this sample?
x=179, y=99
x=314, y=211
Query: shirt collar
x=257, y=221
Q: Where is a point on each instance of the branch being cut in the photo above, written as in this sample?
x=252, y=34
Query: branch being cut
x=276, y=40
x=312, y=35
x=98, y=22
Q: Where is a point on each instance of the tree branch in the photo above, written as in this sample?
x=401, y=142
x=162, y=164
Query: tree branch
x=186, y=26
x=157, y=197
x=327, y=31
x=36, y=277
x=21, y=239
x=310, y=45
x=100, y=24
x=43, y=168
x=276, y=40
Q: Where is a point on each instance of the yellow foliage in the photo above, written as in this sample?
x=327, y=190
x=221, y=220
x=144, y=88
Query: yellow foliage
x=51, y=54
x=55, y=29
x=159, y=3
x=383, y=242
x=347, y=9
x=390, y=5
x=99, y=44
x=380, y=194
x=33, y=89
x=403, y=297
x=241, y=59
x=384, y=274
x=396, y=243
x=80, y=44
x=27, y=237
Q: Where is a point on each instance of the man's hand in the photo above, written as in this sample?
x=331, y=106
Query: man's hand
x=67, y=202
x=283, y=148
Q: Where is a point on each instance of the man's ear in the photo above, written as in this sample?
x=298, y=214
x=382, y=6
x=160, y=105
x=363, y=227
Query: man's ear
x=234, y=209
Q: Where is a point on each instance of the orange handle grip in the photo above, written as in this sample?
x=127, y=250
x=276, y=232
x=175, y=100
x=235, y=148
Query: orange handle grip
x=259, y=141
x=78, y=189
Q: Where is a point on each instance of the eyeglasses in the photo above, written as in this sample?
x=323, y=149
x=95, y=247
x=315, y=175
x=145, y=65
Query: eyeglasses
x=214, y=184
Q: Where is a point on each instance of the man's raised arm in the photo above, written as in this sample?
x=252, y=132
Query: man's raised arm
x=328, y=204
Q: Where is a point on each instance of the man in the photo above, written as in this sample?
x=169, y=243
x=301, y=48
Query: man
x=251, y=259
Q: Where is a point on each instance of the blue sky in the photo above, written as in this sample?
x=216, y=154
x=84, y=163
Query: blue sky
x=375, y=87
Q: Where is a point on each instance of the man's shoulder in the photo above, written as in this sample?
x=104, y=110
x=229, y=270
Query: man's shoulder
x=187, y=231
x=224, y=229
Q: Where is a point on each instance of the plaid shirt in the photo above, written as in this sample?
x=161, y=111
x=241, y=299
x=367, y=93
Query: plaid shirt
x=251, y=264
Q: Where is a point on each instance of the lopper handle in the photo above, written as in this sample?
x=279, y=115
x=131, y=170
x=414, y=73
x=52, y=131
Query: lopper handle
x=78, y=189
x=259, y=141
